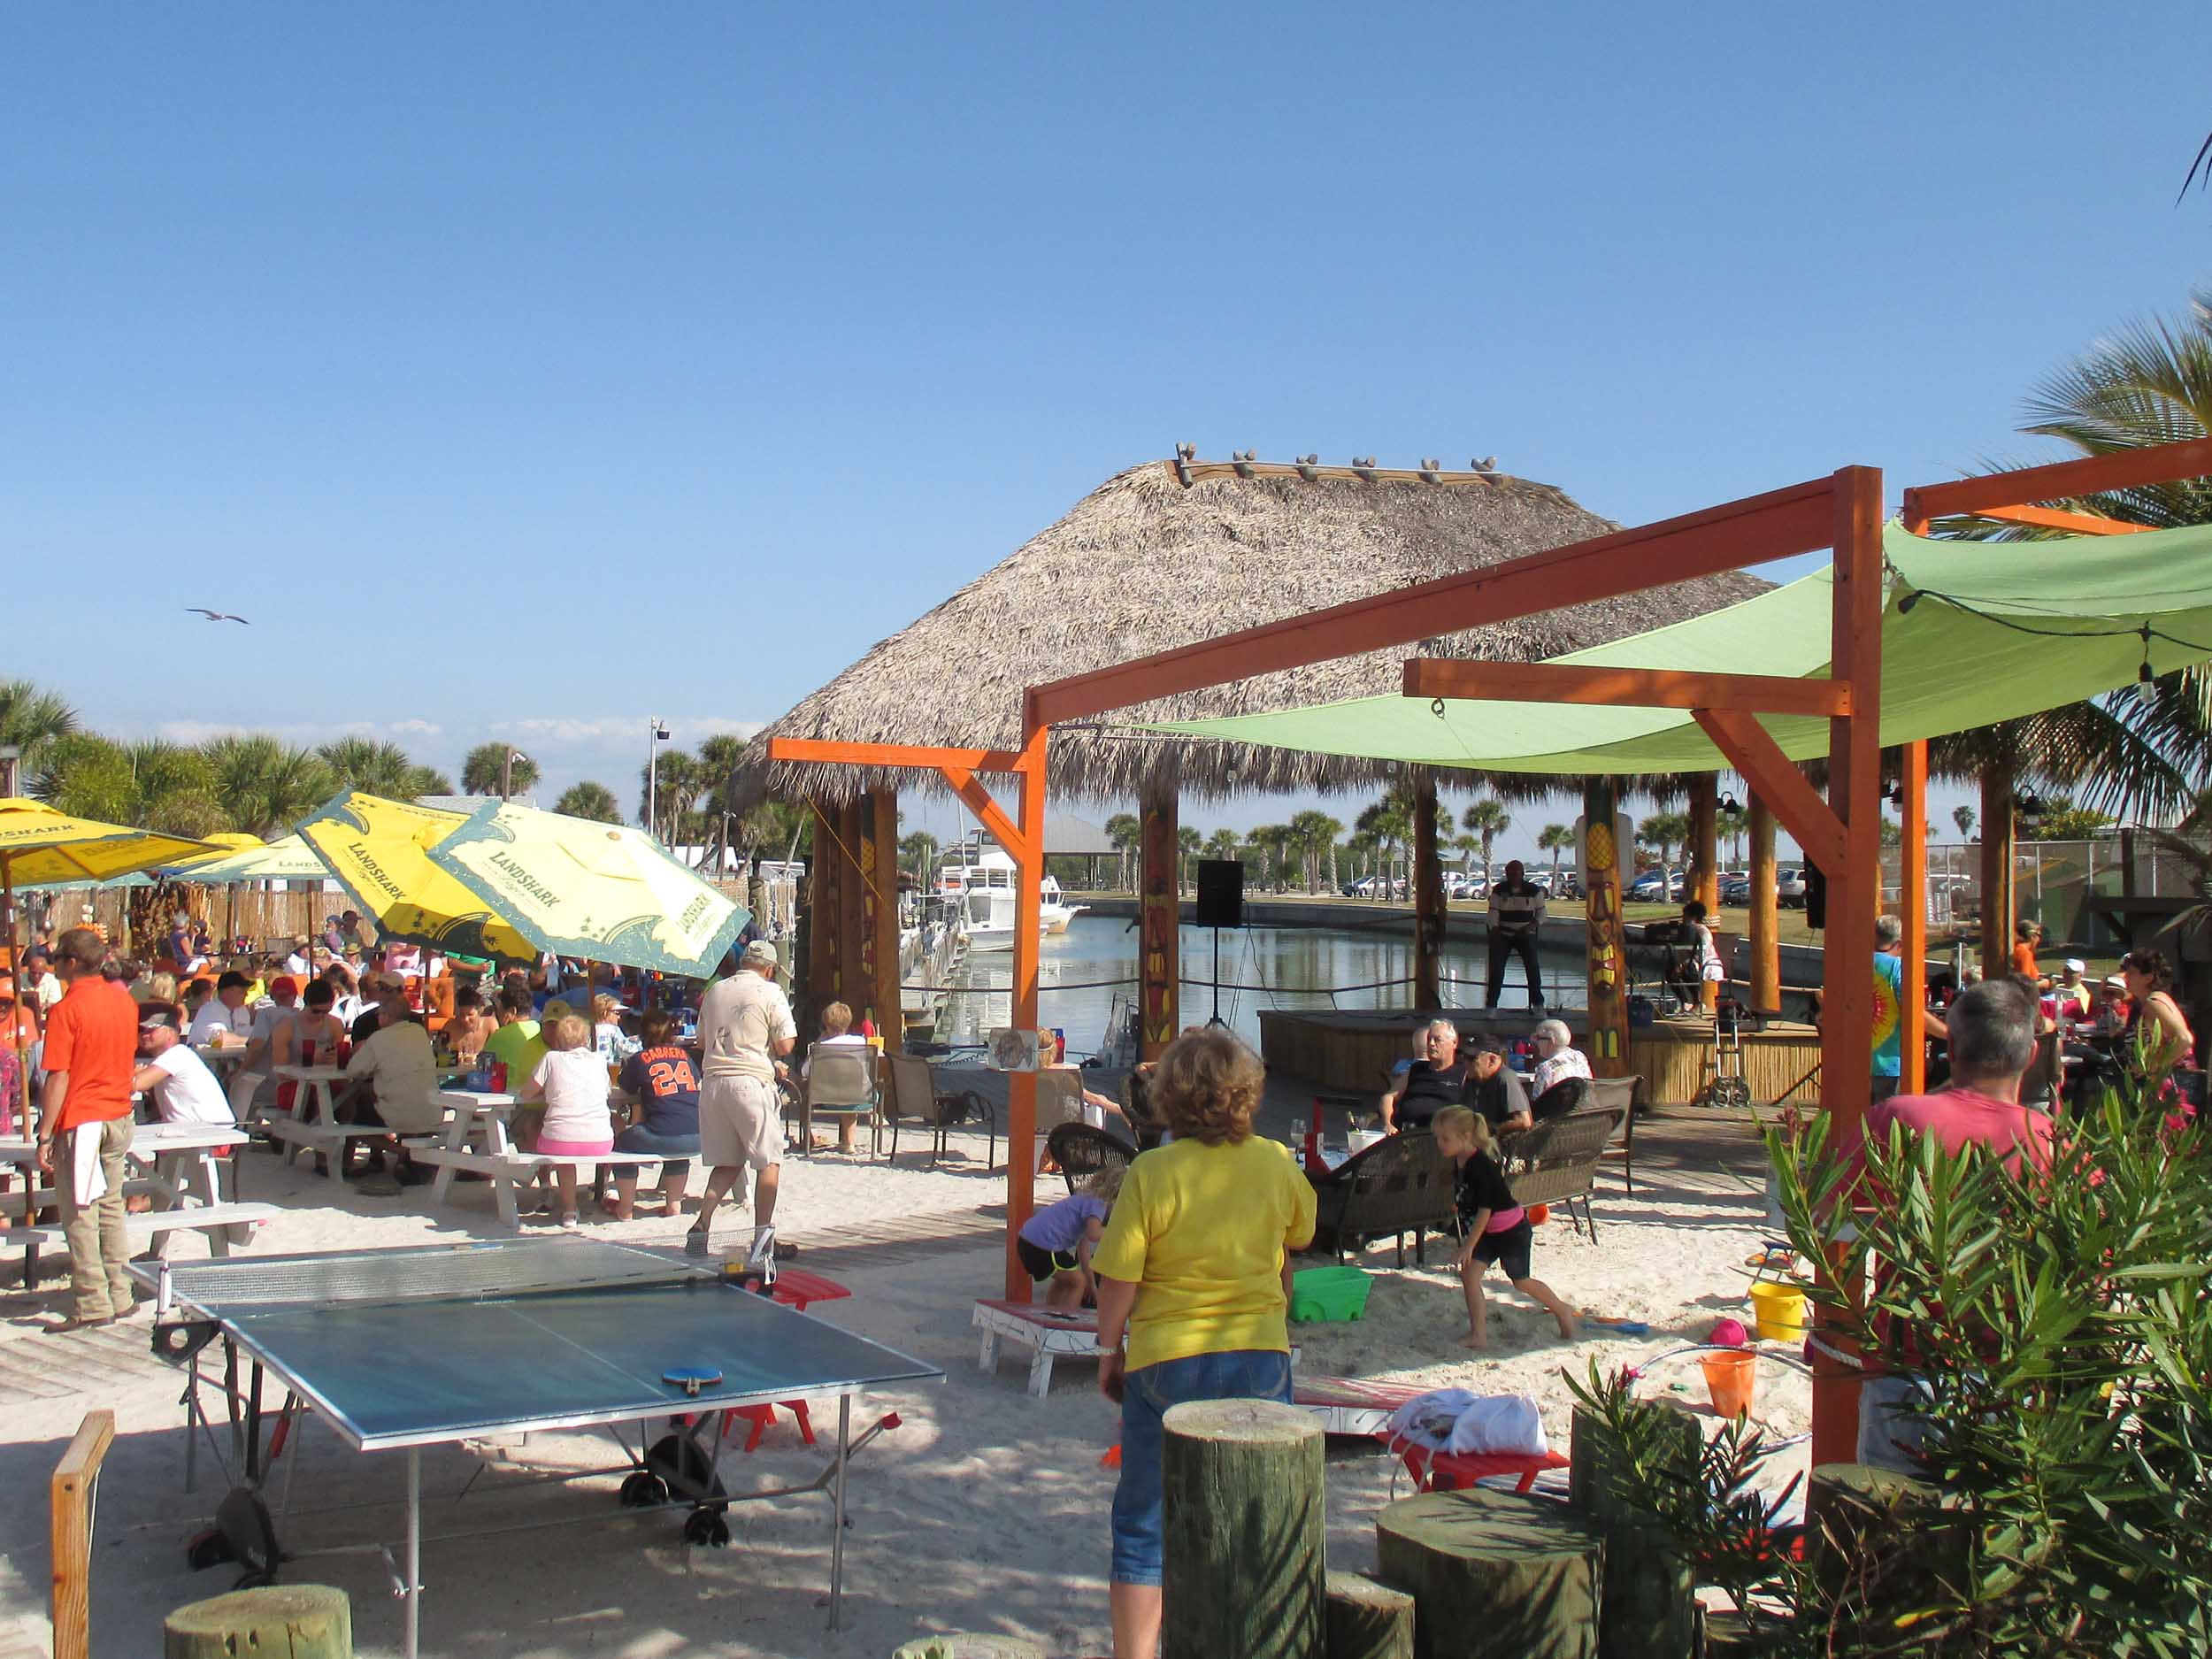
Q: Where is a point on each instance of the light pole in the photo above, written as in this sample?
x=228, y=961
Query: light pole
x=658, y=734
x=507, y=771
x=10, y=764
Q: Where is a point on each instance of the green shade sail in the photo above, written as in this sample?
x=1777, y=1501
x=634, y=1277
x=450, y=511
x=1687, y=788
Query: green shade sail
x=605, y=892
x=1998, y=630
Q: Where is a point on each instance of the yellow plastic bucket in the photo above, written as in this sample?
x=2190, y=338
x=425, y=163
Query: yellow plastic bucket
x=1778, y=1310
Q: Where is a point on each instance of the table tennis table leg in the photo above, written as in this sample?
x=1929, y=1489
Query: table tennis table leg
x=837, y=1519
x=411, y=1614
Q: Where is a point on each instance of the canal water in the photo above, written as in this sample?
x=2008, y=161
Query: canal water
x=1081, y=972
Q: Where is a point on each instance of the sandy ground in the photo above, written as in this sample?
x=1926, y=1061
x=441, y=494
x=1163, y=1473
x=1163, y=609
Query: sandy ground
x=985, y=1511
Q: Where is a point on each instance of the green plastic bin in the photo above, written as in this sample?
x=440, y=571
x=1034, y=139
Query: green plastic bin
x=1319, y=1294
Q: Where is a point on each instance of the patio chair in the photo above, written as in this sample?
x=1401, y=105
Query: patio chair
x=1402, y=1183
x=1625, y=1095
x=841, y=1082
x=1080, y=1150
x=1557, y=1163
x=914, y=1099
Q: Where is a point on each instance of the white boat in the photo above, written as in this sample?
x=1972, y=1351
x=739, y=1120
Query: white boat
x=976, y=880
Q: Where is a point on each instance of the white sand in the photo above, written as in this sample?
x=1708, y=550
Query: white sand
x=985, y=1511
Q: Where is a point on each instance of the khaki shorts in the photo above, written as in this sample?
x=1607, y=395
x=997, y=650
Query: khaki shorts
x=739, y=1123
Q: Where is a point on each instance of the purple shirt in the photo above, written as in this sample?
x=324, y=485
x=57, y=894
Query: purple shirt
x=1060, y=1226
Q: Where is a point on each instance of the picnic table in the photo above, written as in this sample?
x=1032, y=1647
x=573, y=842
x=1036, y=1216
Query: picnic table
x=311, y=1127
x=475, y=1141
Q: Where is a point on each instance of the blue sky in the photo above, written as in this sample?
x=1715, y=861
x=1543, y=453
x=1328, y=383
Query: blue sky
x=527, y=371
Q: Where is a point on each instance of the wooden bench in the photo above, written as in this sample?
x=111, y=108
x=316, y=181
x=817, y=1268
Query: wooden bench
x=326, y=1139
x=504, y=1169
x=225, y=1225
x=1049, y=1334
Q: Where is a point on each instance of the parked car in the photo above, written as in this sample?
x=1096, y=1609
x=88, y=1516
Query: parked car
x=1789, y=887
x=1649, y=888
x=1735, y=889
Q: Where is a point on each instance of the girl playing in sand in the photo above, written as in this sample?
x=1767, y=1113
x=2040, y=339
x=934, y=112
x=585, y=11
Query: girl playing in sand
x=1497, y=1229
x=1056, y=1243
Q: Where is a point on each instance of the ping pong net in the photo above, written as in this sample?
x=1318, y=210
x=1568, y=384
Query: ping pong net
x=477, y=1271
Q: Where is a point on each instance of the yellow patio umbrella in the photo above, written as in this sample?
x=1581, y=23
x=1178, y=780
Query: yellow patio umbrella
x=38, y=844
x=600, y=892
x=380, y=852
x=252, y=859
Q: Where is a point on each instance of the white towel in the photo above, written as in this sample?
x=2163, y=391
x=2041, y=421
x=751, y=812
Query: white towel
x=1455, y=1420
x=87, y=1182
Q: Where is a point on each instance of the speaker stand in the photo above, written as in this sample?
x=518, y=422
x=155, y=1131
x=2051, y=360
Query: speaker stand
x=1215, y=1018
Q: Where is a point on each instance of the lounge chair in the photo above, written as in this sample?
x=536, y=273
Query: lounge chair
x=1401, y=1185
x=914, y=1099
x=1557, y=1163
x=1080, y=1150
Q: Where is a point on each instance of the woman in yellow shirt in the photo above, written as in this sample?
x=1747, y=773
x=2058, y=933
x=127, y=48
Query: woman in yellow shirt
x=1196, y=1266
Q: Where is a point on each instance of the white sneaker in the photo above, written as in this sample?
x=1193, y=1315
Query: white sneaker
x=762, y=1258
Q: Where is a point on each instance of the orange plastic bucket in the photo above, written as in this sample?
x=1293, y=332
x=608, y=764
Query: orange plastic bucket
x=1732, y=1380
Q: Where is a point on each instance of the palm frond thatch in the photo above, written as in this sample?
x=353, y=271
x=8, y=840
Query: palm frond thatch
x=1148, y=562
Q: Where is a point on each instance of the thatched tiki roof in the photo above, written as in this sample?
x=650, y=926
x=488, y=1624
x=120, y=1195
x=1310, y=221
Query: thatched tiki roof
x=1173, y=552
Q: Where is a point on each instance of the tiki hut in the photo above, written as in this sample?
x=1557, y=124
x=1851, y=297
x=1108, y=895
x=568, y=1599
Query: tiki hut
x=1171, y=552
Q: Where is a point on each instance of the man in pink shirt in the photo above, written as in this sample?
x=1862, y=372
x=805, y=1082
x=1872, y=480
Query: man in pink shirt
x=1993, y=1042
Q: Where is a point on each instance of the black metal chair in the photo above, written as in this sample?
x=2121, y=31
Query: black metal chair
x=915, y=1100
x=1081, y=1151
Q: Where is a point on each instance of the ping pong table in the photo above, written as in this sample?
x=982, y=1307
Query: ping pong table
x=444, y=1344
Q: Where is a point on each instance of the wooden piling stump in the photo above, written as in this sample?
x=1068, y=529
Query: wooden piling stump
x=1881, y=1541
x=1495, y=1575
x=1367, y=1620
x=1243, y=1508
x=1649, y=1608
x=968, y=1645
x=279, y=1621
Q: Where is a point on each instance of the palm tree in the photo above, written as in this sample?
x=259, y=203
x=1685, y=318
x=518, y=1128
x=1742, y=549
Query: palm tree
x=1489, y=819
x=673, y=786
x=1271, y=841
x=1963, y=816
x=719, y=758
x=265, y=786
x=589, y=800
x=1187, y=841
x=1315, y=832
x=1125, y=831
x=918, y=848
x=481, y=770
x=1555, y=838
x=1390, y=821
x=375, y=768
x=1466, y=846
x=1224, y=843
x=175, y=789
x=87, y=776
x=32, y=719
x=1664, y=831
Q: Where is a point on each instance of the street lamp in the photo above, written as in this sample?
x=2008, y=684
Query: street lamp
x=659, y=735
x=11, y=763
x=507, y=770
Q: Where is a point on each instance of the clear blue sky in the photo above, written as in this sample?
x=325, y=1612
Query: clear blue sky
x=529, y=370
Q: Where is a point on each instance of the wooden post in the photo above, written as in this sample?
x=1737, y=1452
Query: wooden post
x=853, y=985
x=1159, y=921
x=1705, y=883
x=1650, y=1594
x=1880, y=1544
x=70, y=1534
x=822, y=912
x=1998, y=913
x=1029, y=876
x=1766, y=937
x=880, y=871
x=1493, y=1572
x=285, y=1621
x=1366, y=1620
x=1243, y=1512
x=1912, y=900
x=1428, y=893
x=1608, y=941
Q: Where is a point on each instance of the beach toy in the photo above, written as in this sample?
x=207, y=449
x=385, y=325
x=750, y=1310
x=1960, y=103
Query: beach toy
x=1730, y=1381
x=1539, y=1214
x=1779, y=1310
x=1626, y=1327
x=1319, y=1293
x=1728, y=1333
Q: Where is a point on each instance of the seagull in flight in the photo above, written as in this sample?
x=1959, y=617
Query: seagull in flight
x=218, y=616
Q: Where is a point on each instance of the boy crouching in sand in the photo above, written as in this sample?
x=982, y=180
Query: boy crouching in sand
x=1497, y=1229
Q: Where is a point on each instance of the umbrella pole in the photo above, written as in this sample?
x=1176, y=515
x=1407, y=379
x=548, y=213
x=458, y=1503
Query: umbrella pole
x=15, y=1018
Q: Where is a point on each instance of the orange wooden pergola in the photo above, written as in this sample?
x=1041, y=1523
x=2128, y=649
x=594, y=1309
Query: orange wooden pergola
x=1841, y=512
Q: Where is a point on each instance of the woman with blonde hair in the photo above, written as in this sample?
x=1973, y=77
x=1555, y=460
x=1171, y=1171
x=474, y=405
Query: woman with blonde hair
x=1196, y=1267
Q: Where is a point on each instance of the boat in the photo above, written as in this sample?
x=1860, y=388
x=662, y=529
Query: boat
x=976, y=880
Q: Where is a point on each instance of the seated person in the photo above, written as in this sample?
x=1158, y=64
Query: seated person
x=517, y=1043
x=1563, y=1073
x=392, y=1081
x=225, y=1015
x=472, y=1025
x=309, y=1035
x=1495, y=1092
x=837, y=1033
x=381, y=989
x=254, y=1071
x=184, y=1091
x=614, y=1045
x=663, y=1085
x=576, y=1123
x=1429, y=1084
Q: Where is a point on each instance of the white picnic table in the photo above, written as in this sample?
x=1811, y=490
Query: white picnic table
x=221, y=1053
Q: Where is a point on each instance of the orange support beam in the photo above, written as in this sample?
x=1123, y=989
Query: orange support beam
x=1623, y=688
x=2076, y=523
x=1912, y=904
x=2063, y=480
x=1777, y=779
x=1752, y=531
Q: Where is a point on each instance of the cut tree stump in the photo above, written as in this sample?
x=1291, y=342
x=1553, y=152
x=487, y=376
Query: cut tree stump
x=279, y=1621
x=1367, y=1620
x=1590, y=1485
x=967, y=1645
x=1242, y=1510
x=1495, y=1574
x=1650, y=1608
x=1879, y=1543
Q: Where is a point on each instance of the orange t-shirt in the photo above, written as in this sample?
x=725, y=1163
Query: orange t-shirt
x=2024, y=960
x=93, y=1036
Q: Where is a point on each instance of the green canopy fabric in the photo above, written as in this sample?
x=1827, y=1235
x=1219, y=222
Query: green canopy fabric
x=1999, y=630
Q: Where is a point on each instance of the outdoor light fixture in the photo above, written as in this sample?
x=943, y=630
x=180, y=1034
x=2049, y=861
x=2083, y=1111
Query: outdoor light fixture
x=1728, y=803
x=657, y=729
x=1910, y=598
x=2030, y=810
x=10, y=761
x=2146, y=681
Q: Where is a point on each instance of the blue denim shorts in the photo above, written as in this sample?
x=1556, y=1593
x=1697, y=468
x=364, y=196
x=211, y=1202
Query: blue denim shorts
x=1244, y=1374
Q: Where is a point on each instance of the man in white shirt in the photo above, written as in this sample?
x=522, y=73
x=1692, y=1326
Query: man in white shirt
x=183, y=1089
x=745, y=1027
x=295, y=963
x=226, y=1012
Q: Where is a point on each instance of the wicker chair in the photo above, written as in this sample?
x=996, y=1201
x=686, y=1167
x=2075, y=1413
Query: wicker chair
x=1401, y=1185
x=1625, y=1095
x=914, y=1099
x=1557, y=1163
x=1080, y=1150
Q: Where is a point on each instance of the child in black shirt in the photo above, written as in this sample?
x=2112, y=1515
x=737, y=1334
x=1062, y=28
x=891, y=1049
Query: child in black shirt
x=1497, y=1229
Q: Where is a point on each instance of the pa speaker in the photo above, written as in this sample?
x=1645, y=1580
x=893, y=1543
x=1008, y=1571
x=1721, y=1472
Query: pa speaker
x=1816, y=897
x=1220, y=893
